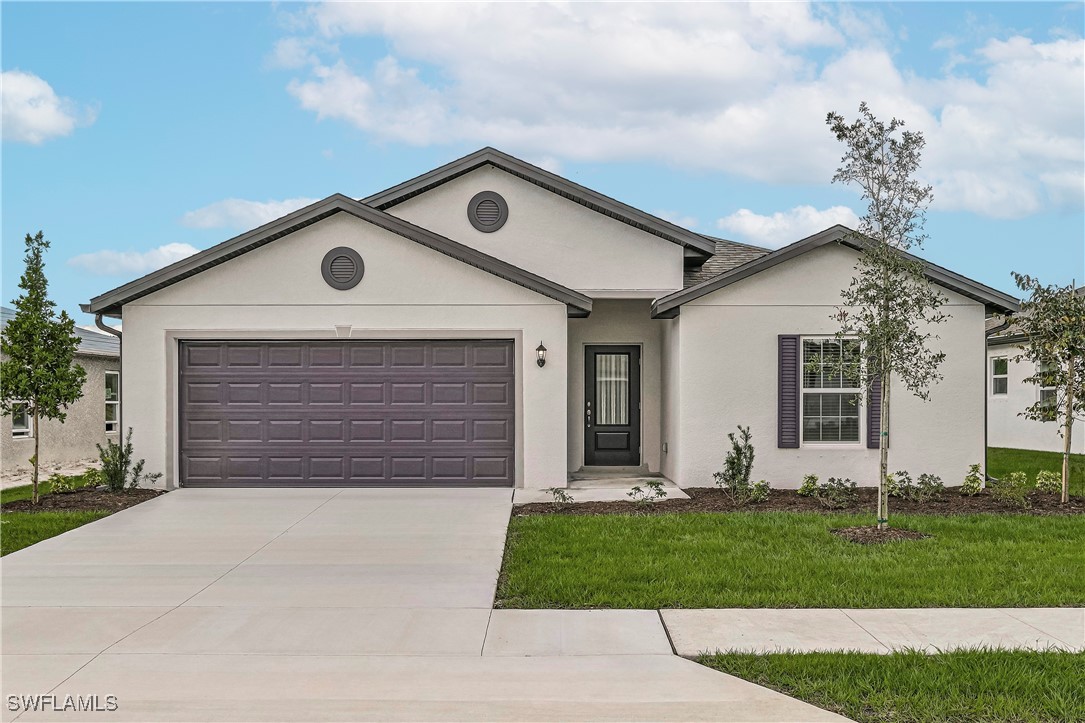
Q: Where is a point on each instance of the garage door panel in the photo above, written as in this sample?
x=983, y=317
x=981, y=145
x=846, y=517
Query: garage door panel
x=356, y=412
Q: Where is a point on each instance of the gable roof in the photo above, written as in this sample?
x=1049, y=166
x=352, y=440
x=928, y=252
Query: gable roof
x=91, y=343
x=110, y=303
x=727, y=256
x=549, y=181
x=667, y=307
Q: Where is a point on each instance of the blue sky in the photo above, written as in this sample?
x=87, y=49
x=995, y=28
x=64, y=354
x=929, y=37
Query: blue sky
x=134, y=133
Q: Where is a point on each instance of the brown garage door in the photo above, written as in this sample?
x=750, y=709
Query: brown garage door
x=347, y=413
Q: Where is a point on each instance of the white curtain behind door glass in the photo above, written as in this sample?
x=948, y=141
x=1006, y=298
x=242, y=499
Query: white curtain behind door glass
x=612, y=388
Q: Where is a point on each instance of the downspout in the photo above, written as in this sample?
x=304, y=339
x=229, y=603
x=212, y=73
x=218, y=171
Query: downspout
x=105, y=327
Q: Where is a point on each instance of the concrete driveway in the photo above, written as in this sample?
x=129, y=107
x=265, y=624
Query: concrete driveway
x=329, y=604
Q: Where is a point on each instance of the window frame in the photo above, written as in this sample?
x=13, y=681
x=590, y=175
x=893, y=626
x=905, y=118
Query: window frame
x=116, y=422
x=994, y=377
x=26, y=432
x=858, y=391
x=1054, y=390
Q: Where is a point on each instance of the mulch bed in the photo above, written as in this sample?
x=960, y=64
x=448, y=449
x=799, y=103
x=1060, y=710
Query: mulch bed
x=87, y=498
x=710, y=499
x=871, y=535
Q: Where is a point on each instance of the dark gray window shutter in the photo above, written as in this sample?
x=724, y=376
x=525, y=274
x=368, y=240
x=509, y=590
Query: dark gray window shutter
x=874, y=414
x=788, y=412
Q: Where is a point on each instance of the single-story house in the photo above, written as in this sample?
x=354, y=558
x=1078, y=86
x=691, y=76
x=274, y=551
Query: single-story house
x=1008, y=395
x=93, y=419
x=491, y=323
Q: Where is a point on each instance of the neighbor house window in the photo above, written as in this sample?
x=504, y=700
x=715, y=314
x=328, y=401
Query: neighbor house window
x=830, y=400
x=1048, y=393
x=1000, y=370
x=21, y=423
x=112, y=401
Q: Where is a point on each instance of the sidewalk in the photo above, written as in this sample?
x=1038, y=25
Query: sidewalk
x=874, y=631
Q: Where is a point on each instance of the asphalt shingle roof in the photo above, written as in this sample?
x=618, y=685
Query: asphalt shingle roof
x=90, y=342
x=729, y=254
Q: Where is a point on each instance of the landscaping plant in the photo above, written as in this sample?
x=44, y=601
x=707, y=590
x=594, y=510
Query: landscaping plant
x=1012, y=489
x=759, y=491
x=1048, y=481
x=734, y=479
x=119, y=471
x=561, y=496
x=890, y=306
x=809, y=486
x=651, y=492
x=1052, y=319
x=836, y=494
x=973, y=481
x=39, y=375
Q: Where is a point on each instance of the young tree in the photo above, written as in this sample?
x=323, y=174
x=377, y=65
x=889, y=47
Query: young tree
x=890, y=306
x=39, y=373
x=1053, y=319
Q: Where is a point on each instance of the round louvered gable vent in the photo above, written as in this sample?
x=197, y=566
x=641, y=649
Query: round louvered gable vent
x=487, y=211
x=342, y=268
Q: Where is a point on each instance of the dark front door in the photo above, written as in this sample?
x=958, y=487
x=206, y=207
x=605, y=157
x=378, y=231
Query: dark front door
x=347, y=413
x=612, y=405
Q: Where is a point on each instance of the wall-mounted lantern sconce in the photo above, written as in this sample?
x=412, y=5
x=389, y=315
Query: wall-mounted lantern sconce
x=540, y=354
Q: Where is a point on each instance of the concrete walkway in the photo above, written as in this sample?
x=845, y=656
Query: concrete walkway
x=327, y=604
x=874, y=631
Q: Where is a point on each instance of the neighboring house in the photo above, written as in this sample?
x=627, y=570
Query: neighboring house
x=92, y=419
x=1008, y=395
x=401, y=340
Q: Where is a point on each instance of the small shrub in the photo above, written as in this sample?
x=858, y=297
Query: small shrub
x=759, y=492
x=653, y=493
x=560, y=496
x=1048, y=481
x=929, y=487
x=838, y=493
x=119, y=471
x=973, y=481
x=63, y=483
x=1012, y=489
x=809, y=486
x=900, y=485
x=734, y=479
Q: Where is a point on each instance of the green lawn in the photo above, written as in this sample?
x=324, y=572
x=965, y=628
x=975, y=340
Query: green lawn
x=25, y=492
x=912, y=687
x=778, y=559
x=1002, y=460
x=22, y=529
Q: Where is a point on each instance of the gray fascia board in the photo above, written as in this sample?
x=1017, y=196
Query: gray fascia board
x=111, y=302
x=992, y=299
x=1014, y=339
x=548, y=181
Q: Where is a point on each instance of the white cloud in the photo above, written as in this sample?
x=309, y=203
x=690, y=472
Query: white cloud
x=784, y=227
x=722, y=87
x=34, y=113
x=240, y=213
x=129, y=263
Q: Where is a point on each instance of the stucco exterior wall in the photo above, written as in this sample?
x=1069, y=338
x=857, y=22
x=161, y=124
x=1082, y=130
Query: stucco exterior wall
x=729, y=376
x=671, y=397
x=1005, y=428
x=408, y=291
x=552, y=236
x=616, y=321
x=75, y=439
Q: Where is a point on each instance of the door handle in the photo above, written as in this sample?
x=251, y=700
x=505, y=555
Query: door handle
x=589, y=415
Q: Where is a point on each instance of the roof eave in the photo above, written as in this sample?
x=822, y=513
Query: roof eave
x=547, y=180
x=994, y=301
x=111, y=302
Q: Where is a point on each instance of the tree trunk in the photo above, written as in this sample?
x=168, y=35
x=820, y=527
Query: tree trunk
x=883, y=449
x=1067, y=436
x=37, y=439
